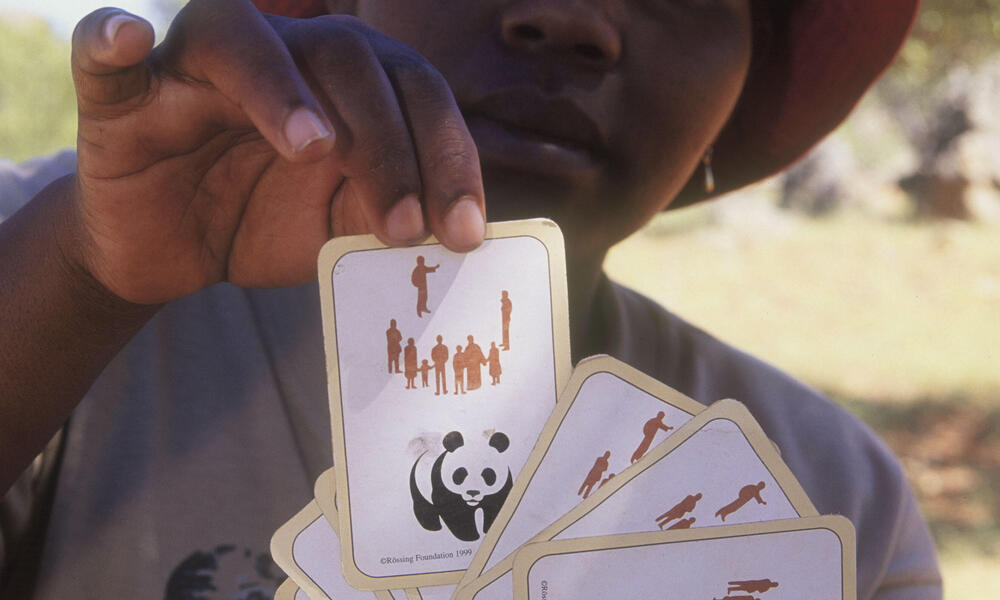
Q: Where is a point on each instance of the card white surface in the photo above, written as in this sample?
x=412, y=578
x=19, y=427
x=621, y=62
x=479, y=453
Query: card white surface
x=792, y=559
x=422, y=472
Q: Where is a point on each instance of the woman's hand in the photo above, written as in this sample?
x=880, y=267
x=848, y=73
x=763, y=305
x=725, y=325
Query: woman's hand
x=236, y=148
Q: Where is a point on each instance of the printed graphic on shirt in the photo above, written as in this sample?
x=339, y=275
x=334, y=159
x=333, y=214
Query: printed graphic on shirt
x=225, y=572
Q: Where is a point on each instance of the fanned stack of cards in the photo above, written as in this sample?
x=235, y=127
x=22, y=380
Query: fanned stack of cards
x=471, y=462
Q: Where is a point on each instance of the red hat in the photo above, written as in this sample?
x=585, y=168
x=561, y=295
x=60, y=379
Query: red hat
x=821, y=57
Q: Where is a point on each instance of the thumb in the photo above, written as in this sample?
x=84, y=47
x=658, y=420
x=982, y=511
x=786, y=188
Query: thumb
x=109, y=50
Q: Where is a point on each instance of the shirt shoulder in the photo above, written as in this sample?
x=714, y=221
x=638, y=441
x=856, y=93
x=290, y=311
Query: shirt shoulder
x=20, y=182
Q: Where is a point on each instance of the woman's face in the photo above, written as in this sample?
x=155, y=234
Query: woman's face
x=592, y=113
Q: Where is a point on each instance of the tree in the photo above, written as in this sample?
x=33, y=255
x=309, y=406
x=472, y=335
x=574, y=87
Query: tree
x=37, y=101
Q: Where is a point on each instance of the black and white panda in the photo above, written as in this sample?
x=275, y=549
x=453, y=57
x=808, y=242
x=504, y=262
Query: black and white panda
x=463, y=481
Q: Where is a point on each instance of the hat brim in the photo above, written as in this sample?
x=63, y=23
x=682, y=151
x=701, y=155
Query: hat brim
x=820, y=62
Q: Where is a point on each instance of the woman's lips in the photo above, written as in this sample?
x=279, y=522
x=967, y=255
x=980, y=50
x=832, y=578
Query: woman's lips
x=524, y=130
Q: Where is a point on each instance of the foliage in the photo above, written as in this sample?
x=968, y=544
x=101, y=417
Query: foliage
x=947, y=35
x=37, y=102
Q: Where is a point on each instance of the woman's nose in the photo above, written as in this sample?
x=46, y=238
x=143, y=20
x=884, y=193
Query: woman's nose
x=577, y=29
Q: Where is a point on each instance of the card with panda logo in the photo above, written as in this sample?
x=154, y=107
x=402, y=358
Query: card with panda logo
x=442, y=368
x=718, y=468
x=611, y=415
x=812, y=557
x=308, y=550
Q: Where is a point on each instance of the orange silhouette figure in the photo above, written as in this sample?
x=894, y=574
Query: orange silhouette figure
x=682, y=524
x=474, y=360
x=600, y=466
x=751, y=586
x=747, y=493
x=494, y=361
x=458, y=364
x=439, y=354
x=648, y=433
x=410, y=363
x=678, y=510
x=424, y=370
x=393, y=339
x=505, y=308
x=419, y=279
x=606, y=479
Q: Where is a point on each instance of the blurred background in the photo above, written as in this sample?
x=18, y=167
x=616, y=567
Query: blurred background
x=871, y=270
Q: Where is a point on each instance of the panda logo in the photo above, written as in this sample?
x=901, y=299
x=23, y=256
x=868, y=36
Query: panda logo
x=464, y=481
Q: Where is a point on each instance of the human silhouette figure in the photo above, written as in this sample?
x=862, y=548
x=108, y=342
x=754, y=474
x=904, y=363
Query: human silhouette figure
x=458, y=364
x=678, y=510
x=410, y=363
x=682, y=524
x=505, y=307
x=747, y=493
x=600, y=466
x=752, y=586
x=474, y=360
x=494, y=361
x=393, y=339
x=424, y=370
x=648, y=433
x=419, y=280
x=439, y=354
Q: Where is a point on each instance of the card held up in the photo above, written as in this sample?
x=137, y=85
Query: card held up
x=442, y=368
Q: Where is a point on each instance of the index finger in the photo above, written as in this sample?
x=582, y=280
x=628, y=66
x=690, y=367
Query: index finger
x=230, y=45
x=450, y=173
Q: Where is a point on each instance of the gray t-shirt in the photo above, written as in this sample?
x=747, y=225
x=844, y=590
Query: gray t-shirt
x=207, y=431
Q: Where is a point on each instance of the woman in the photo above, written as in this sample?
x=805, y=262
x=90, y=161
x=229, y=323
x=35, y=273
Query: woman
x=244, y=142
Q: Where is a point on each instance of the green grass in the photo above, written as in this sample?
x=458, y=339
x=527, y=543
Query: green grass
x=870, y=308
x=896, y=320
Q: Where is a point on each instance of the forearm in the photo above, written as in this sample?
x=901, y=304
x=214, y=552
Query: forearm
x=58, y=327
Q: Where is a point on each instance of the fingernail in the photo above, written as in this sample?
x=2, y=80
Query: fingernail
x=114, y=24
x=465, y=224
x=303, y=127
x=405, y=221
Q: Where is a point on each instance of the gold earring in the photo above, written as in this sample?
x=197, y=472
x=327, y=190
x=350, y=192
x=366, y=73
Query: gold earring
x=706, y=161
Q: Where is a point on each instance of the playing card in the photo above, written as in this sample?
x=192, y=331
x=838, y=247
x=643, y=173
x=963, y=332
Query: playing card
x=325, y=492
x=308, y=550
x=442, y=368
x=289, y=591
x=718, y=468
x=789, y=559
x=608, y=417
x=437, y=592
